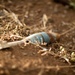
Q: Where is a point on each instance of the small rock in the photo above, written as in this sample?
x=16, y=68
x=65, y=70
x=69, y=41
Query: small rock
x=24, y=54
x=14, y=66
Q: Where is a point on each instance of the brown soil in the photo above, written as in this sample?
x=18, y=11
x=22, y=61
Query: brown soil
x=26, y=61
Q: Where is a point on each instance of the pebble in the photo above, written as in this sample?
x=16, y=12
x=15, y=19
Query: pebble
x=14, y=66
x=24, y=54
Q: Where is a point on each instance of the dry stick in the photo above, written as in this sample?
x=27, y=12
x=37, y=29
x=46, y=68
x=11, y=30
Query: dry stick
x=44, y=20
x=52, y=53
x=13, y=17
x=39, y=46
x=67, y=31
x=57, y=55
x=41, y=72
x=55, y=67
x=49, y=67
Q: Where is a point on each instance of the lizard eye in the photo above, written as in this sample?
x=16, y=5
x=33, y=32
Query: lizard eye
x=27, y=41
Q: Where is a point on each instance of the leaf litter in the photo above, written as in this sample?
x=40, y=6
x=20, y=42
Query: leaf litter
x=15, y=28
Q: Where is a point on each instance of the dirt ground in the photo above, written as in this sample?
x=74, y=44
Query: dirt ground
x=27, y=60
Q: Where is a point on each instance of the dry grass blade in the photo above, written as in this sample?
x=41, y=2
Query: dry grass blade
x=44, y=20
x=67, y=60
x=12, y=16
x=41, y=72
x=38, y=45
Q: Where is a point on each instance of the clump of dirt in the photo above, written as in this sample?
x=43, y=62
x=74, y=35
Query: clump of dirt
x=25, y=60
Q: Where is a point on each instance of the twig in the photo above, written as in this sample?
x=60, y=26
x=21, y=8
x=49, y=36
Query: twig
x=62, y=57
x=41, y=72
x=13, y=17
x=49, y=67
x=67, y=31
x=39, y=46
x=55, y=67
x=44, y=20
